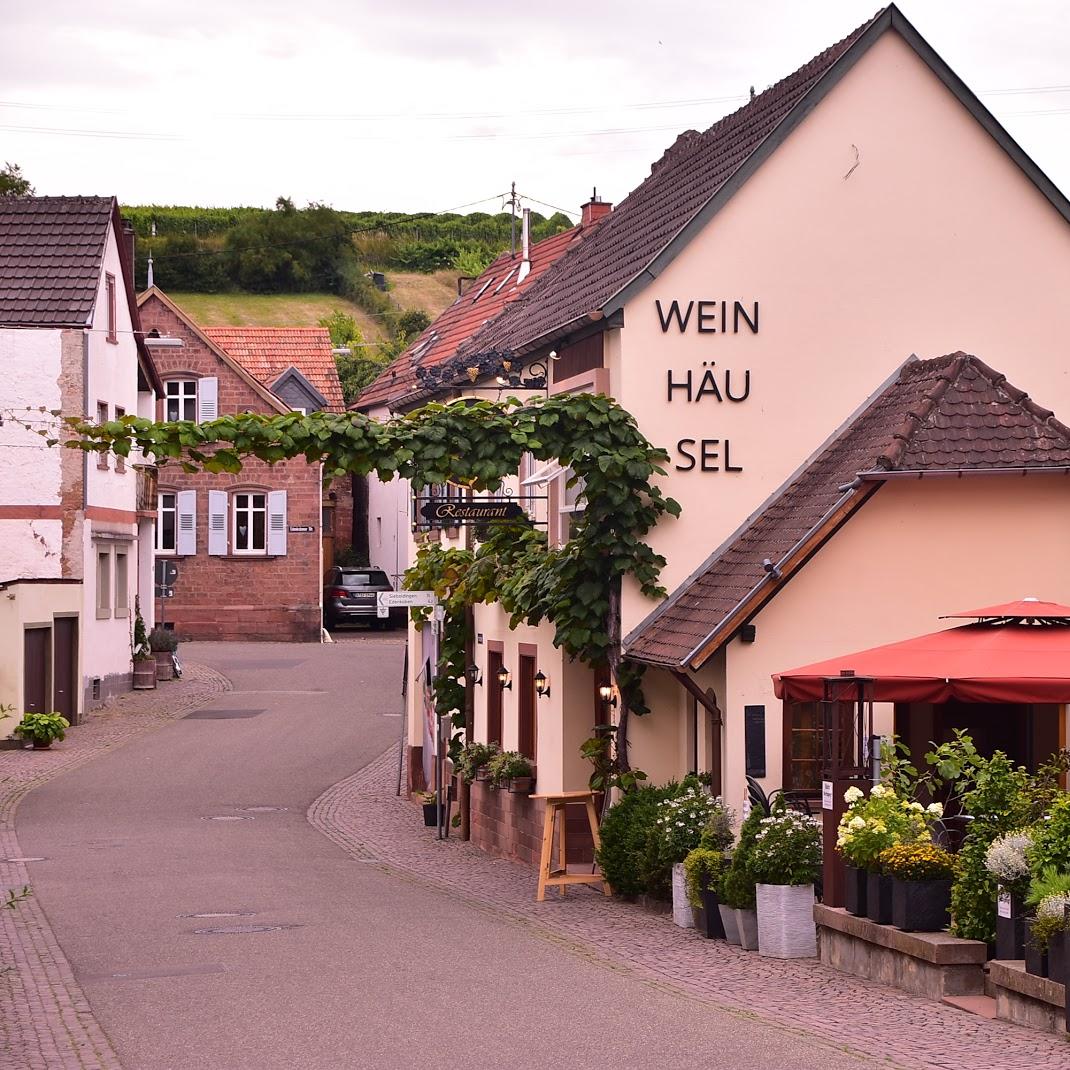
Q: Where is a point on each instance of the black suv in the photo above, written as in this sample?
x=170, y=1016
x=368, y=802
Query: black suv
x=349, y=596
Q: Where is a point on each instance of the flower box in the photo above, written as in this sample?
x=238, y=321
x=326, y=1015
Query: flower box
x=786, y=928
x=879, y=898
x=854, y=892
x=921, y=906
x=1010, y=926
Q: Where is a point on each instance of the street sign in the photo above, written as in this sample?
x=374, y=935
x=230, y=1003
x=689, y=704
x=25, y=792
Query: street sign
x=481, y=511
x=406, y=599
x=163, y=591
x=301, y=529
x=166, y=573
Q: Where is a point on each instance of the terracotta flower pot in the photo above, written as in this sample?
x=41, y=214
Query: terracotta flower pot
x=921, y=906
x=786, y=928
x=520, y=785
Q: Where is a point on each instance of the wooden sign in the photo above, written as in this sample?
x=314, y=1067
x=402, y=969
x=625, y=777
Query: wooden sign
x=485, y=511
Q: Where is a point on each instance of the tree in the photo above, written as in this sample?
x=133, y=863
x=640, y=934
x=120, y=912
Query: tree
x=363, y=362
x=13, y=183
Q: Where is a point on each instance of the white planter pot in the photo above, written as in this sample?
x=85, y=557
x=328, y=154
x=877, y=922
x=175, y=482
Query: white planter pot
x=786, y=928
x=728, y=920
x=682, y=914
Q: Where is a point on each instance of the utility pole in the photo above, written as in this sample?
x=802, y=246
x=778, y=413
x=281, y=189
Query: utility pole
x=512, y=219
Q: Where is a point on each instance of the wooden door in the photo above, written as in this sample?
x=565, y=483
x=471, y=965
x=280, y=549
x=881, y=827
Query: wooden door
x=65, y=667
x=36, y=658
x=526, y=740
x=327, y=535
x=494, y=696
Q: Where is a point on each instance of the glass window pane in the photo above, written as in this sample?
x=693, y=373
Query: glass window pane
x=259, y=530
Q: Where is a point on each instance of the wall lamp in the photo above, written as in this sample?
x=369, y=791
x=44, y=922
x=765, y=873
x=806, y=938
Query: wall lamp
x=607, y=694
x=542, y=684
x=505, y=679
x=475, y=675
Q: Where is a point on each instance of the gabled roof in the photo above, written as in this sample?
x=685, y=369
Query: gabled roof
x=250, y=380
x=693, y=180
x=482, y=301
x=51, y=252
x=267, y=352
x=951, y=414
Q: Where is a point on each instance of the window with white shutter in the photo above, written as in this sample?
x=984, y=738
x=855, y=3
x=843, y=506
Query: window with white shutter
x=207, y=399
x=186, y=534
x=217, y=523
x=277, y=523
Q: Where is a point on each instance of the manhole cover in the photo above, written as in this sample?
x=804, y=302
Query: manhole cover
x=221, y=914
x=263, y=809
x=220, y=715
x=226, y=930
x=27, y=858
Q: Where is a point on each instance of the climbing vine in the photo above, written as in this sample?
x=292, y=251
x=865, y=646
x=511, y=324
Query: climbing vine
x=476, y=444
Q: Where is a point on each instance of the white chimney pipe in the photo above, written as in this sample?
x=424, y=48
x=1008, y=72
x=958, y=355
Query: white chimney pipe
x=525, y=246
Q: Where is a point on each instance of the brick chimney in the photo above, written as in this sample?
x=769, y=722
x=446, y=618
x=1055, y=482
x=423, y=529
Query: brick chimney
x=594, y=209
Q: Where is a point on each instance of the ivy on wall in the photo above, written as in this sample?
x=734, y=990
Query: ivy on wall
x=476, y=444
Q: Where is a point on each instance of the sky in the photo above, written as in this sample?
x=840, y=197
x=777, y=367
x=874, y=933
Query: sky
x=434, y=105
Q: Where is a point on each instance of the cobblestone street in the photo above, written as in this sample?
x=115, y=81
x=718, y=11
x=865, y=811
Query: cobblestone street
x=364, y=815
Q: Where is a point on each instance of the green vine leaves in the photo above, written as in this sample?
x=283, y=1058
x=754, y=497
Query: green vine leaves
x=475, y=444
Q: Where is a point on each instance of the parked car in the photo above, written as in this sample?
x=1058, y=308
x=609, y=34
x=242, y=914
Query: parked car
x=349, y=597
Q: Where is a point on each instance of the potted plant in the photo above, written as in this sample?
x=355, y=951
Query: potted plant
x=473, y=759
x=786, y=863
x=856, y=879
x=873, y=823
x=738, y=885
x=163, y=643
x=42, y=728
x=509, y=768
x=703, y=869
x=921, y=875
x=1046, y=941
x=429, y=801
x=1006, y=860
x=144, y=659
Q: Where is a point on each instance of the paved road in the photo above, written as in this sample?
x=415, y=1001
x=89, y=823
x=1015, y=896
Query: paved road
x=364, y=969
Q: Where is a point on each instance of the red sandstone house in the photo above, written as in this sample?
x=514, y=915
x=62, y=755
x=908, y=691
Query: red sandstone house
x=251, y=547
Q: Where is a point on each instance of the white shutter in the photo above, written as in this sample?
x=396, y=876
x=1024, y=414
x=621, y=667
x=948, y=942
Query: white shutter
x=207, y=399
x=276, y=540
x=217, y=523
x=186, y=528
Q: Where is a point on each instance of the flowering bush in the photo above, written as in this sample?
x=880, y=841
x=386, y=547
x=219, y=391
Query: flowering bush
x=871, y=824
x=1006, y=858
x=918, y=862
x=787, y=849
x=681, y=821
x=703, y=869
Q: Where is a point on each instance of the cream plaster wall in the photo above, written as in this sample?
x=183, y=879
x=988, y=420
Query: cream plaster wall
x=916, y=550
x=934, y=242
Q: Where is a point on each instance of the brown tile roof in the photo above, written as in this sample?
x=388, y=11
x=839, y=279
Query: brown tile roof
x=483, y=300
x=51, y=250
x=952, y=413
x=680, y=184
x=266, y=352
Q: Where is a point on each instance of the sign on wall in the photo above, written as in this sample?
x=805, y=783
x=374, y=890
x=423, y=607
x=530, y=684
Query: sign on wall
x=484, y=511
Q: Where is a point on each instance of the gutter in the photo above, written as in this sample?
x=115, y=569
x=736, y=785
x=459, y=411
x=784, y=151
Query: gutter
x=961, y=473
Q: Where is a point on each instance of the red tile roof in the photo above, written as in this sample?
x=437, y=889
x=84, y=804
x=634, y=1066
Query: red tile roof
x=266, y=352
x=949, y=414
x=51, y=251
x=680, y=184
x=483, y=300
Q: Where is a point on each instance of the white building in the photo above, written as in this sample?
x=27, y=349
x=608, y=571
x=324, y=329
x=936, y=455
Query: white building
x=76, y=529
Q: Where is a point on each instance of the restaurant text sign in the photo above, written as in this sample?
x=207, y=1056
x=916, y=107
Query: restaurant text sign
x=475, y=512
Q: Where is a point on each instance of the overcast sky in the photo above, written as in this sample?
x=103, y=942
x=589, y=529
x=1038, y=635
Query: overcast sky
x=424, y=105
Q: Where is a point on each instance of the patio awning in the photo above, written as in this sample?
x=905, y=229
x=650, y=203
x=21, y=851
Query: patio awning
x=1007, y=662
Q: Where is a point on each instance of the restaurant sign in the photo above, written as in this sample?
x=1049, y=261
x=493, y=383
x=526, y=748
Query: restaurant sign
x=483, y=511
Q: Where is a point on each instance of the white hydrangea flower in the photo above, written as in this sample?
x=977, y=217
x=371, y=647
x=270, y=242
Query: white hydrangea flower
x=936, y=809
x=857, y=823
x=852, y=795
x=879, y=791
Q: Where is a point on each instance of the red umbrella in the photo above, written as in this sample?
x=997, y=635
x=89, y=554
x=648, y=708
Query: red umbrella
x=1023, y=609
x=1008, y=661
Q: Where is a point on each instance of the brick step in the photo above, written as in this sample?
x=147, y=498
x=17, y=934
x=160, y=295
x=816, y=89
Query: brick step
x=984, y=1006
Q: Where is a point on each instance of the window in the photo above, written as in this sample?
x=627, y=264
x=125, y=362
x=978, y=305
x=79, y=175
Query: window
x=103, y=584
x=102, y=418
x=803, y=759
x=250, y=523
x=122, y=579
x=120, y=462
x=109, y=286
x=166, y=522
x=180, y=400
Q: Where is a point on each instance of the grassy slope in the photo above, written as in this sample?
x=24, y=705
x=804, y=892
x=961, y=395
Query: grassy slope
x=270, y=310
x=432, y=293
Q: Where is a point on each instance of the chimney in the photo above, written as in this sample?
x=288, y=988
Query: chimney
x=525, y=248
x=129, y=251
x=594, y=209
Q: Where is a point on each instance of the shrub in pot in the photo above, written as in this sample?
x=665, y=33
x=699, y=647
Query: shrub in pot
x=509, y=768
x=1006, y=860
x=921, y=875
x=42, y=729
x=623, y=833
x=141, y=652
x=473, y=760
x=429, y=801
x=703, y=870
x=163, y=643
x=1046, y=940
x=786, y=862
x=738, y=885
